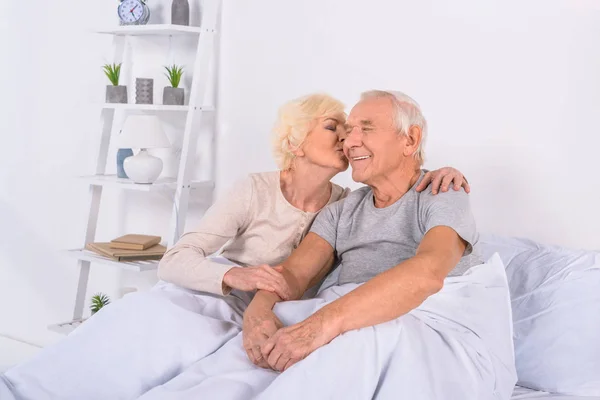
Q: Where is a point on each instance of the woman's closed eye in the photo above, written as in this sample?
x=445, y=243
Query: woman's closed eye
x=332, y=128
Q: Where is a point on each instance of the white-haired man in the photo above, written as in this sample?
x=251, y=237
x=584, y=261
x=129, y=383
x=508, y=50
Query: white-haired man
x=414, y=314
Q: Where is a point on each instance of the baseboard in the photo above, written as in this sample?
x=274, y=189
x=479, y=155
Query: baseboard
x=10, y=337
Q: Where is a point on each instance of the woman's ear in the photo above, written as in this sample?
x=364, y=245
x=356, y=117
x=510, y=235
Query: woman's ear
x=413, y=140
x=296, y=151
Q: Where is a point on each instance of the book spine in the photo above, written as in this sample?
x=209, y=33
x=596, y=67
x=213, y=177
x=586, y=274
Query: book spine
x=127, y=246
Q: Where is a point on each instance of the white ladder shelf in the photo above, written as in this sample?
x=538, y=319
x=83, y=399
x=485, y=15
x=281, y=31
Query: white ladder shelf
x=183, y=184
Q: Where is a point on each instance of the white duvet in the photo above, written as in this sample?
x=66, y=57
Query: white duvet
x=176, y=344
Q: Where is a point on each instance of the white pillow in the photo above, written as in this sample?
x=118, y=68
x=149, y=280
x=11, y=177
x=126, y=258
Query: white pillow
x=555, y=295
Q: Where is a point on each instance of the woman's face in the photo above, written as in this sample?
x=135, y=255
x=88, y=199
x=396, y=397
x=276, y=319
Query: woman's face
x=323, y=146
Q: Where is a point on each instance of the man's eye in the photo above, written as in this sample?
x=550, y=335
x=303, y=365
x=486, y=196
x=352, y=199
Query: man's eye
x=364, y=129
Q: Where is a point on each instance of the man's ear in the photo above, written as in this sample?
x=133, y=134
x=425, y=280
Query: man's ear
x=413, y=140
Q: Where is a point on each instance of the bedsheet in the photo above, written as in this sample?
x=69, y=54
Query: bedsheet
x=521, y=393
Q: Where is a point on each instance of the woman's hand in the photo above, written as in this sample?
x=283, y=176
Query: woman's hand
x=442, y=178
x=259, y=325
x=261, y=277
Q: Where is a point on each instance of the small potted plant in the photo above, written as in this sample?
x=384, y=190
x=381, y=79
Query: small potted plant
x=114, y=92
x=174, y=95
x=99, y=300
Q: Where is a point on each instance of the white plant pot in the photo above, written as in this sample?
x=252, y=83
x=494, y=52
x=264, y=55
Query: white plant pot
x=143, y=168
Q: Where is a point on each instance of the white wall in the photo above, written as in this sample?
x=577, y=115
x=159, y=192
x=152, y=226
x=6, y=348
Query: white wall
x=510, y=90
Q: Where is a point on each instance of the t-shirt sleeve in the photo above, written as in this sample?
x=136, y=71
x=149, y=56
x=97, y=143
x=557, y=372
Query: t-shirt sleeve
x=325, y=224
x=451, y=209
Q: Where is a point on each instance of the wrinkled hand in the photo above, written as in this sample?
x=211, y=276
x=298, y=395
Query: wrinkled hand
x=261, y=277
x=294, y=343
x=442, y=178
x=258, y=327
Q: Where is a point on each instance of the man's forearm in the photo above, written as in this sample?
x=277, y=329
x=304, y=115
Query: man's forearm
x=264, y=299
x=309, y=263
x=321, y=274
x=383, y=298
x=398, y=290
x=298, y=284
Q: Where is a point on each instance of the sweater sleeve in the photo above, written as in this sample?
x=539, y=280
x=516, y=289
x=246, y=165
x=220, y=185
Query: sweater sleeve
x=187, y=264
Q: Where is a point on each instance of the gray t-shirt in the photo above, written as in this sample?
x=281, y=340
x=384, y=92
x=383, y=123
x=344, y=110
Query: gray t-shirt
x=369, y=240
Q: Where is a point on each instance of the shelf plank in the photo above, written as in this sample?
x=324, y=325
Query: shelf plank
x=137, y=266
x=162, y=184
x=127, y=184
x=144, y=107
x=152, y=30
x=64, y=328
x=153, y=107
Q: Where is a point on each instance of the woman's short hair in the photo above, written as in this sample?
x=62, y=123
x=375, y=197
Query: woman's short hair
x=296, y=119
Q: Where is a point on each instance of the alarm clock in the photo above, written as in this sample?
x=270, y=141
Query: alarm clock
x=133, y=12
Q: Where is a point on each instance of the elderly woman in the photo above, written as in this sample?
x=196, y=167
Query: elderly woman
x=199, y=306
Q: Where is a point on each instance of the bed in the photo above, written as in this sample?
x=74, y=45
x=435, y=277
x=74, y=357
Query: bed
x=554, y=302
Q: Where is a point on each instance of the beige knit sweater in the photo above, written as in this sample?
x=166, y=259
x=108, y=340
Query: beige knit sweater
x=256, y=224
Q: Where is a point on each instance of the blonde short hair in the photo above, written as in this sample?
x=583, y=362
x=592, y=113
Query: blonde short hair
x=408, y=113
x=296, y=119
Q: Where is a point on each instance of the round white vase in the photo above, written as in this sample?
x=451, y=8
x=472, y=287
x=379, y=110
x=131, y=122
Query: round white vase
x=143, y=168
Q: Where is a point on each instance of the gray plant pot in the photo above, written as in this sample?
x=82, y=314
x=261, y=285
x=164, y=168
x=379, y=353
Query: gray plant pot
x=180, y=12
x=173, y=96
x=116, y=94
x=144, y=91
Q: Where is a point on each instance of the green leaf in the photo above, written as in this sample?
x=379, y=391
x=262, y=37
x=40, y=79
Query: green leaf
x=98, y=301
x=113, y=73
x=174, y=74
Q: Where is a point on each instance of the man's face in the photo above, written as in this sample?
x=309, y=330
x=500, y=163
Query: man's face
x=372, y=144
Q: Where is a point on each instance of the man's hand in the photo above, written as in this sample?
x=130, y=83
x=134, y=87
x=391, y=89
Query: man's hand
x=261, y=277
x=259, y=325
x=442, y=178
x=294, y=343
x=311, y=260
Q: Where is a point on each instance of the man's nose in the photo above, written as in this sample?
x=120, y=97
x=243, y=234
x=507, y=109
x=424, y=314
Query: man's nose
x=353, y=138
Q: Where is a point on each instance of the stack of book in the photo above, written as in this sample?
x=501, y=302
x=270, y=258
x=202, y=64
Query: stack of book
x=130, y=248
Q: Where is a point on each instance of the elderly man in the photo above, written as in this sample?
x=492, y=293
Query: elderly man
x=414, y=314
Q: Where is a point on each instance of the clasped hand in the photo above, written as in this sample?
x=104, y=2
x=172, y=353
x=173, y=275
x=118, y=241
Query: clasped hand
x=270, y=345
